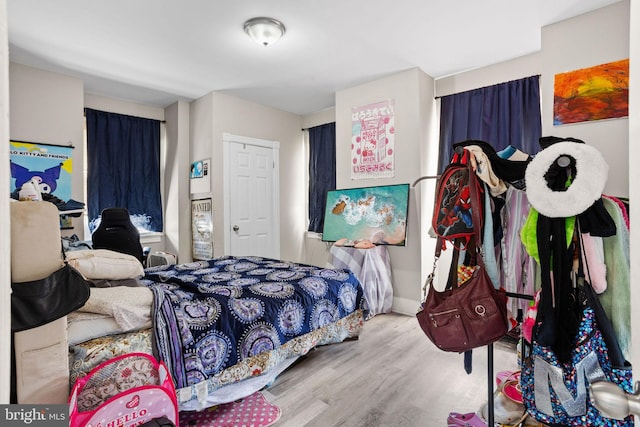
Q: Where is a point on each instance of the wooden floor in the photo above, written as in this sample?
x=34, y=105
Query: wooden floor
x=391, y=376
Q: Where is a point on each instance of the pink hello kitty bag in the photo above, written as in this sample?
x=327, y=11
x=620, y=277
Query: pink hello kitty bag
x=125, y=391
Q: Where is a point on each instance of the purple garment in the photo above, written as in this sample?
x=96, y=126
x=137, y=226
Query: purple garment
x=518, y=267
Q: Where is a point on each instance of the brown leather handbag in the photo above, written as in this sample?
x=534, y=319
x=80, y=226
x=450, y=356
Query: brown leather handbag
x=466, y=316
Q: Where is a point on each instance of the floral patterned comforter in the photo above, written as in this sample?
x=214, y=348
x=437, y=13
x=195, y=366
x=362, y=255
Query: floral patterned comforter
x=231, y=318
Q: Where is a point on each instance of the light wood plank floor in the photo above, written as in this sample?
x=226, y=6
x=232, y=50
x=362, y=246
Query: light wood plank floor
x=391, y=376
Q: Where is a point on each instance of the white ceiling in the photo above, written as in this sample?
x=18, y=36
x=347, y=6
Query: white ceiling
x=158, y=51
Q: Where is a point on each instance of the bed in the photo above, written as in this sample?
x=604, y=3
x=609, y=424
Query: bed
x=224, y=327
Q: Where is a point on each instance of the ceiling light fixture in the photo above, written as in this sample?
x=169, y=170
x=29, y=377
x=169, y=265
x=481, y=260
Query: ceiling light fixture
x=264, y=31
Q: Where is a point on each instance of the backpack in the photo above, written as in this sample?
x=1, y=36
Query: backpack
x=457, y=190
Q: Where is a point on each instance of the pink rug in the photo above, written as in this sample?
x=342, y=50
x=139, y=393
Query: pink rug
x=251, y=411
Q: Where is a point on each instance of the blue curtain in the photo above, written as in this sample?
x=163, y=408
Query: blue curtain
x=501, y=115
x=322, y=171
x=123, y=154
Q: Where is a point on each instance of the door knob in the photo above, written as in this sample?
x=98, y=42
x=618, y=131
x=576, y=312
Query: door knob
x=236, y=228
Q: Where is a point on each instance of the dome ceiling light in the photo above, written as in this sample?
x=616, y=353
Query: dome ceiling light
x=264, y=31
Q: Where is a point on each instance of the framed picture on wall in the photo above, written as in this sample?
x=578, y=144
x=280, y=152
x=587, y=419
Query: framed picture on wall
x=202, y=229
x=594, y=93
x=377, y=214
x=199, y=179
x=51, y=166
x=372, y=140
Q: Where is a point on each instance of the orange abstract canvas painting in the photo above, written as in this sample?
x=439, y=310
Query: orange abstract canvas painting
x=595, y=93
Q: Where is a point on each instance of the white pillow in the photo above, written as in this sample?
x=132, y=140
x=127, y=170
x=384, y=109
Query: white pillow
x=105, y=264
x=83, y=326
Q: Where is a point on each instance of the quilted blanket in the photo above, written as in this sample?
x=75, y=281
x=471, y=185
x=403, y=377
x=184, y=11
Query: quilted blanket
x=213, y=315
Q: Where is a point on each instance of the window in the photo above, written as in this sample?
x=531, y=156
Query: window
x=322, y=171
x=123, y=168
x=501, y=115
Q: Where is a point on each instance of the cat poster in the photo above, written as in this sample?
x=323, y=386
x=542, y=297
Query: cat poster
x=50, y=165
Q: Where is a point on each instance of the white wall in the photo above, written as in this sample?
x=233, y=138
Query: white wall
x=325, y=116
x=412, y=92
x=177, y=163
x=216, y=114
x=5, y=226
x=48, y=108
x=634, y=177
x=118, y=106
x=518, y=68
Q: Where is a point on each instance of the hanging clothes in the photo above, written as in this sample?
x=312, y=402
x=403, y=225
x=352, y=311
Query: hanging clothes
x=517, y=266
x=482, y=165
x=623, y=207
x=564, y=182
x=509, y=171
x=593, y=256
x=617, y=299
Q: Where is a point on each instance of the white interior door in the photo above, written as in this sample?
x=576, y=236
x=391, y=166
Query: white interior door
x=252, y=198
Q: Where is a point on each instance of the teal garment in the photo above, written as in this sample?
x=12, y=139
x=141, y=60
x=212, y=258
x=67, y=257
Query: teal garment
x=488, y=245
x=616, y=300
x=507, y=152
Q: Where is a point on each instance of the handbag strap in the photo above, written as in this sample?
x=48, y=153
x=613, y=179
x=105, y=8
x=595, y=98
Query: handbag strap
x=452, y=277
x=474, y=246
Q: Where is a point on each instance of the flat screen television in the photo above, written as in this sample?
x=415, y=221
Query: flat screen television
x=377, y=214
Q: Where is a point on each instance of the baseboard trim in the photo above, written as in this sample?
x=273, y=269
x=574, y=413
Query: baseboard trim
x=405, y=306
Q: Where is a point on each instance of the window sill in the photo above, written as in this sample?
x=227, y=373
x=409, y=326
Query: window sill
x=313, y=235
x=151, y=237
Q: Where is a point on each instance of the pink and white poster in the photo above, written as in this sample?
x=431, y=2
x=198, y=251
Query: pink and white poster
x=372, y=136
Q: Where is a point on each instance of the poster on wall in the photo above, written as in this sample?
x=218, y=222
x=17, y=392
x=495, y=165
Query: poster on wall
x=50, y=165
x=202, y=229
x=595, y=93
x=199, y=179
x=372, y=137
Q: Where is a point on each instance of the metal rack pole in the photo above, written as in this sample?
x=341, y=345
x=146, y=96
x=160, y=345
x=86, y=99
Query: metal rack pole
x=490, y=409
x=490, y=402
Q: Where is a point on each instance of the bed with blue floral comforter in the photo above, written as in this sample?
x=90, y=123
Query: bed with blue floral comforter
x=230, y=319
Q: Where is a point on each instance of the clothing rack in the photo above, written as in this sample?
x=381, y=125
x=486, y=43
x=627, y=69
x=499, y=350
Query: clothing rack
x=566, y=162
x=490, y=371
x=424, y=177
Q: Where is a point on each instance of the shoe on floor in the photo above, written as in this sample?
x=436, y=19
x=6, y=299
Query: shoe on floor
x=470, y=419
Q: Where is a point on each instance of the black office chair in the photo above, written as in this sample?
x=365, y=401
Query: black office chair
x=116, y=232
